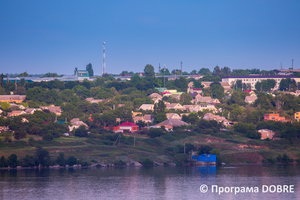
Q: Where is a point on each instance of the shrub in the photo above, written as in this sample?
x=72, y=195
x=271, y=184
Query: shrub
x=120, y=163
x=72, y=161
x=47, y=137
x=155, y=132
x=147, y=162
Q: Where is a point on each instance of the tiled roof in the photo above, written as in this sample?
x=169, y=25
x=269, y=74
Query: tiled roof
x=128, y=124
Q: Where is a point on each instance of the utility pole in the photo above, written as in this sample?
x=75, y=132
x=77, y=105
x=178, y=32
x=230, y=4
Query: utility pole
x=292, y=63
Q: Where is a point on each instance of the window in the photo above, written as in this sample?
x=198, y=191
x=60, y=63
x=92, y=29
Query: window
x=267, y=134
x=272, y=117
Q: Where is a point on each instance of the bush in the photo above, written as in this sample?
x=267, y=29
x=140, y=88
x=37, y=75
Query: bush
x=47, y=137
x=155, y=132
x=60, y=160
x=29, y=161
x=181, y=158
x=147, y=162
x=120, y=163
x=72, y=161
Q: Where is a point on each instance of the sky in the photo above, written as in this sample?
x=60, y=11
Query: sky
x=57, y=36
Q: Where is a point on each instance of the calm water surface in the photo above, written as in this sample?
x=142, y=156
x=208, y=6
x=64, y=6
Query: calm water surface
x=147, y=183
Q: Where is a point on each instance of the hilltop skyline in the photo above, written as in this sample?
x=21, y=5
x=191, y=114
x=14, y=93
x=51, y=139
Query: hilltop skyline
x=40, y=37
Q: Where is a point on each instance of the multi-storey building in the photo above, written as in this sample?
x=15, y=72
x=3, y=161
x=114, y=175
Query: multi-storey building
x=253, y=79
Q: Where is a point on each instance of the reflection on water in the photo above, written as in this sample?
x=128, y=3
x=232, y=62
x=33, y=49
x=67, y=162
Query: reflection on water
x=146, y=183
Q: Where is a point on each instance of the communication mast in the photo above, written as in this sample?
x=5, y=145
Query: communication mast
x=103, y=65
x=292, y=63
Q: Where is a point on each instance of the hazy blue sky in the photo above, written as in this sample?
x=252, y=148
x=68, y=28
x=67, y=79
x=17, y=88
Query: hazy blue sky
x=57, y=36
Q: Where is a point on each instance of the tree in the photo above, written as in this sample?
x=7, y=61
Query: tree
x=81, y=131
x=287, y=84
x=217, y=90
x=217, y=71
x=265, y=85
x=159, y=117
x=149, y=71
x=226, y=71
x=20, y=134
x=43, y=157
x=181, y=83
x=5, y=105
x=12, y=160
x=159, y=107
x=89, y=68
x=194, y=72
x=60, y=160
x=204, y=71
x=167, y=72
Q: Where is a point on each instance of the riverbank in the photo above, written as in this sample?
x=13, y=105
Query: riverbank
x=164, y=150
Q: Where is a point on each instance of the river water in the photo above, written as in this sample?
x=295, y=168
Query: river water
x=152, y=183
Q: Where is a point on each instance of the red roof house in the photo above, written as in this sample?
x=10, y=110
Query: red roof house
x=128, y=127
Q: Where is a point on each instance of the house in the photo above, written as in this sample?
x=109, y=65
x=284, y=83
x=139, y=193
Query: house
x=24, y=120
x=147, y=107
x=250, y=99
x=207, y=107
x=226, y=86
x=17, y=106
x=170, y=123
x=128, y=127
x=209, y=100
x=82, y=74
x=196, y=90
x=145, y=118
x=297, y=116
x=156, y=100
x=76, y=123
x=92, y=100
x=206, y=84
x=4, y=128
x=175, y=96
x=173, y=116
x=275, y=117
x=148, y=118
x=194, y=95
x=266, y=133
x=196, y=77
x=16, y=113
x=54, y=109
x=12, y=98
x=175, y=106
x=138, y=118
x=210, y=116
x=155, y=95
x=32, y=110
x=136, y=113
